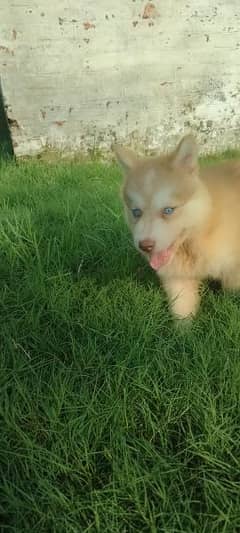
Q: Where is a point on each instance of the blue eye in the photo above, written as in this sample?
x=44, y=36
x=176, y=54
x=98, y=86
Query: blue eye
x=137, y=213
x=168, y=210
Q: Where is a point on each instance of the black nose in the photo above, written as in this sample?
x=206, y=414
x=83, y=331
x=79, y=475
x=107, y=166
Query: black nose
x=146, y=245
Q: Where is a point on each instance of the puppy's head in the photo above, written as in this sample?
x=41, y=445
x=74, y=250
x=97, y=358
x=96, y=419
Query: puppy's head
x=162, y=199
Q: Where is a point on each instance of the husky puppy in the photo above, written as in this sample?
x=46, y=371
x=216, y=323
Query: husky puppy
x=184, y=219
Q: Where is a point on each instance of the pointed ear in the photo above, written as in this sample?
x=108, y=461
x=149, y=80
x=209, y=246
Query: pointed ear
x=186, y=153
x=126, y=157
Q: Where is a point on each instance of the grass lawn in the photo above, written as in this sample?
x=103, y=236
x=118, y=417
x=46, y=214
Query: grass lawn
x=111, y=420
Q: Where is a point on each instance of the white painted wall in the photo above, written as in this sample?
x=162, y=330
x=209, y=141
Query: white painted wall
x=77, y=74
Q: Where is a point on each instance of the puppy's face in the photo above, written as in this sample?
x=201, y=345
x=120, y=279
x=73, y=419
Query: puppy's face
x=161, y=199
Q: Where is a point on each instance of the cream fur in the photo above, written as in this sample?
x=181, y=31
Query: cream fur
x=205, y=228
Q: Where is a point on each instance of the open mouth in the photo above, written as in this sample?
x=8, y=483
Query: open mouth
x=160, y=259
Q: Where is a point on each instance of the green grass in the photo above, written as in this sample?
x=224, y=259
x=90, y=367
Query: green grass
x=112, y=421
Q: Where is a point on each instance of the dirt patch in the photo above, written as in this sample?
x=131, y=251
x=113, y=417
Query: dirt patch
x=150, y=11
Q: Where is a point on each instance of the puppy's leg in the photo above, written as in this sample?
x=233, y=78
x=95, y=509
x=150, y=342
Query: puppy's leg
x=232, y=281
x=184, y=297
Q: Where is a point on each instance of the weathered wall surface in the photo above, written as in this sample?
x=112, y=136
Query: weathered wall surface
x=79, y=74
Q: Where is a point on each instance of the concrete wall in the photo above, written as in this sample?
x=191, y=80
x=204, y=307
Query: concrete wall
x=77, y=74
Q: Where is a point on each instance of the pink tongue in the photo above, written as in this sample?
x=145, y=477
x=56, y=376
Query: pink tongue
x=160, y=259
